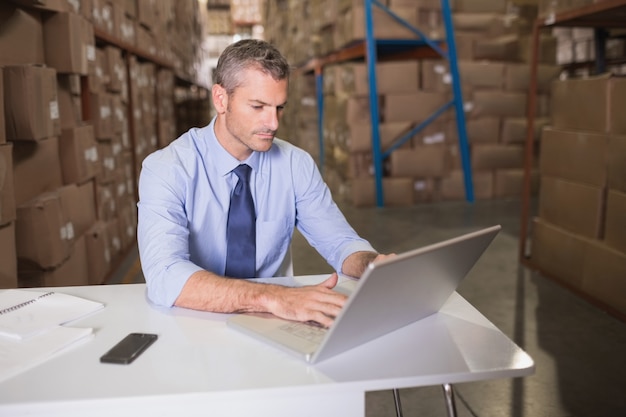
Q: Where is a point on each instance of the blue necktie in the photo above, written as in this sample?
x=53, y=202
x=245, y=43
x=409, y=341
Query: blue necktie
x=241, y=229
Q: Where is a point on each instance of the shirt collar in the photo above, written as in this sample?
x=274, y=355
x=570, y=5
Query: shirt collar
x=225, y=162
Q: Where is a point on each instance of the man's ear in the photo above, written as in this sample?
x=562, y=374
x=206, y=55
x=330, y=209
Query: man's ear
x=220, y=98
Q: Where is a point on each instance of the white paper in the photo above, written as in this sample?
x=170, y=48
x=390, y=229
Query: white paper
x=17, y=356
x=24, y=314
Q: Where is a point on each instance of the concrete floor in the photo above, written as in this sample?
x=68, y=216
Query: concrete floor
x=579, y=350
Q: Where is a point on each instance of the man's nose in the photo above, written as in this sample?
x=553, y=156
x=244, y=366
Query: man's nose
x=272, y=118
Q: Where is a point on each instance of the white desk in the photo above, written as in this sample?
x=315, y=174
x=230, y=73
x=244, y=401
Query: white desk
x=199, y=367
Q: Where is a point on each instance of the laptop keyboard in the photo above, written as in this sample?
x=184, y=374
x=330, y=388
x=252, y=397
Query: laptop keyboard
x=305, y=331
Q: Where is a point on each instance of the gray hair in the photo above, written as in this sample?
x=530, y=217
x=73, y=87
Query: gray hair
x=245, y=54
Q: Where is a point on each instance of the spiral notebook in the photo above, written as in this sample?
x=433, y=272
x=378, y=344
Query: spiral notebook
x=31, y=327
x=25, y=313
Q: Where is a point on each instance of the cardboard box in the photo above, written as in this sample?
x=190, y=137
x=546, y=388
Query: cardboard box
x=604, y=275
x=7, y=193
x=146, y=42
x=420, y=162
x=483, y=74
x=44, y=234
x=21, y=41
x=594, y=103
x=46, y=5
x=3, y=137
x=351, y=25
x=78, y=151
x=453, y=185
x=497, y=103
x=115, y=242
x=547, y=53
x=397, y=76
x=515, y=129
x=67, y=43
x=479, y=6
x=36, y=168
x=119, y=119
x=425, y=190
x=391, y=77
x=70, y=103
x=98, y=252
x=129, y=7
x=617, y=104
x=414, y=107
x=436, y=133
x=73, y=271
x=488, y=24
x=128, y=222
x=79, y=202
x=465, y=45
x=617, y=163
x=108, y=162
x=558, y=252
x=435, y=75
x=360, y=139
x=127, y=31
x=102, y=16
x=510, y=183
x=517, y=77
x=123, y=195
x=576, y=207
x=357, y=110
x=31, y=106
x=482, y=129
x=396, y=192
x=146, y=13
x=497, y=156
x=501, y=48
x=98, y=76
x=8, y=257
x=615, y=223
x=115, y=68
x=101, y=115
x=574, y=155
x=106, y=207
x=83, y=8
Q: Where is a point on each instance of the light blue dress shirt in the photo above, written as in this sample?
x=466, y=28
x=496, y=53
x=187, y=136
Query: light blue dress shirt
x=184, y=194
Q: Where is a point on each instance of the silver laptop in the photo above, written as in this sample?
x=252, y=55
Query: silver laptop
x=390, y=294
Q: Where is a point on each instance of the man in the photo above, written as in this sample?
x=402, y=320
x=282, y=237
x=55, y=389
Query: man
x=185, y=194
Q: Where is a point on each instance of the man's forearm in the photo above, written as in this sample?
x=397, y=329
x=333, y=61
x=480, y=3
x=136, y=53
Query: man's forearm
x=210, y=292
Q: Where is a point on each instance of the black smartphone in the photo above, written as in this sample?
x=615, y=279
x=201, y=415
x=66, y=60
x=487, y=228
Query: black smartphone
x=129, y=348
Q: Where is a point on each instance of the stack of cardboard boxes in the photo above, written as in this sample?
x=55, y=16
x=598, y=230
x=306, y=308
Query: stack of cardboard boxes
x=492, y=50
x=53, y=156
x=79, y=113
x=578, y=236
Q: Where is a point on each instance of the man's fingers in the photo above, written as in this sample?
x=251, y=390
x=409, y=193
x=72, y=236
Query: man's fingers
x=317, y=303
x=331, y=281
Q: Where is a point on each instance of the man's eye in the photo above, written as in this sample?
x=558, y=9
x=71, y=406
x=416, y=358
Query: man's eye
x=257, y=107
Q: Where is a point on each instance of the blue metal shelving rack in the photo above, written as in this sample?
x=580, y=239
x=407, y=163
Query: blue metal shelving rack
x=372, y=47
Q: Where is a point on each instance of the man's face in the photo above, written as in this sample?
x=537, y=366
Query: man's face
x=252, y=112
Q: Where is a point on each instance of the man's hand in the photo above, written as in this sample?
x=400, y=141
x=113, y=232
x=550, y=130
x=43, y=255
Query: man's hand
x=209, y=292
x=317, y=303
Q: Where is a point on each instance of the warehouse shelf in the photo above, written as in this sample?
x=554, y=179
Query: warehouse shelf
x=386, y=50
x=104, y=37
x=373, y=50
x=131, y=52
x=602, y=15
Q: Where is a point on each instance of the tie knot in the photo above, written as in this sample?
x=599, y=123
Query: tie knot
x=243, y=172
